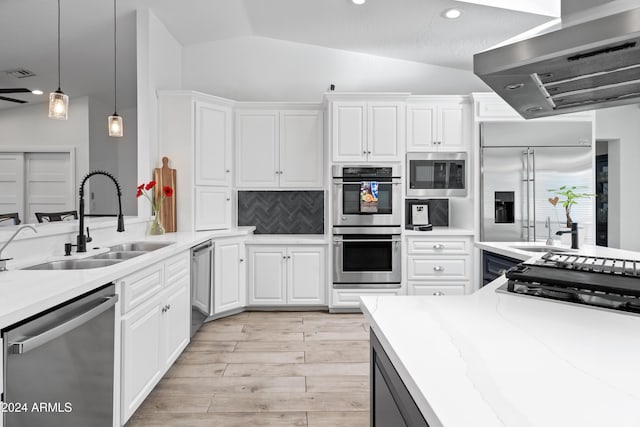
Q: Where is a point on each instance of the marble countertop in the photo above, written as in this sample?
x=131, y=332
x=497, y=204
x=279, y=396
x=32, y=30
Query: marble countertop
x=493, y=359
x=508, y=249
x=24, y=293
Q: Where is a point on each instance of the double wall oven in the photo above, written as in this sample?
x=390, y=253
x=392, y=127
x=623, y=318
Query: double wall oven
x=367, y=220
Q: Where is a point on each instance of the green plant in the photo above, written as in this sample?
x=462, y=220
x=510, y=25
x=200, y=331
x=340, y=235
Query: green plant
x=570, y=198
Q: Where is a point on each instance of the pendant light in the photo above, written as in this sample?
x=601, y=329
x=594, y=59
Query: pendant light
x=58, y=101
x=115, y=121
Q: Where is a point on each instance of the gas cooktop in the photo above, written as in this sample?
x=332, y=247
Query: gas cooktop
x=607, y=283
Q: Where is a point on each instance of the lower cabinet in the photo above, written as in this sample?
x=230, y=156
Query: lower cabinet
x=229, y=275
x=213, y=208
x=154, y=331
x=391, y=403
x=293, y=275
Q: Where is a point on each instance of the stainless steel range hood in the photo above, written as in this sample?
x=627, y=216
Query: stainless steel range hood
x=591, y=65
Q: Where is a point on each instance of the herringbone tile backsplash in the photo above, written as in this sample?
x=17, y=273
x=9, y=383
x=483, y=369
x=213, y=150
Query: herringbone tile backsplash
x=282, y=212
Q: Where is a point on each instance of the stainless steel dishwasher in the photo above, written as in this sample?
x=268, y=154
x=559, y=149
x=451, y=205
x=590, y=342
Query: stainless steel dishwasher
x=58, y=369
x=201, y=284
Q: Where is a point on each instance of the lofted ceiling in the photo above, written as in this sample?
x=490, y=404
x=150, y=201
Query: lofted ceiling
x=406, y=29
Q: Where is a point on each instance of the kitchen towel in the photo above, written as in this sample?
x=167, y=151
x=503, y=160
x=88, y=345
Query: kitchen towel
x=368, y=196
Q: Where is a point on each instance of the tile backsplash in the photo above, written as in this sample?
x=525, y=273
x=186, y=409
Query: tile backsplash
x=282, y=212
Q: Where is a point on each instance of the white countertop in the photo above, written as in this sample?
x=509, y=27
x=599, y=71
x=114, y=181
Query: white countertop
x=28, y=292
x=492, y=359
x=288, y=239
x=507, y=249
x=441, y=231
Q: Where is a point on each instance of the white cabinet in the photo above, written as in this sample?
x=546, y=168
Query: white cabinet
x=230, y=275
x=213, y=138
x=367, y=131
x=438, y=125
x=1, y=379
x=293, y=275
x=213, y=208
x=280, y=149
x=155, y=327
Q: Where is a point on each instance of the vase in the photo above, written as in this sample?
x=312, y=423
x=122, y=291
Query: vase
x=156, y=227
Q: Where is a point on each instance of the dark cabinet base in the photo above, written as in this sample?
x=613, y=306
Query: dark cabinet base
x=391, y=403
x=494, y=266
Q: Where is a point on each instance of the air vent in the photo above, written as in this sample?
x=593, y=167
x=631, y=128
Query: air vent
x=20, y=73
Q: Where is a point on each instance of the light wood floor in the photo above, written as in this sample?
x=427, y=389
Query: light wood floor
x=267, y=369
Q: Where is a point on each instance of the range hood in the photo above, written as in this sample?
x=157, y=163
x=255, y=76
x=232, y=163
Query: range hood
x=586, y=66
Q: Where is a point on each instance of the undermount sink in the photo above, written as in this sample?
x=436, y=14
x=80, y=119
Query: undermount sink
x=74, y=264
x=119, y=255
x=540, y=248
x=138, y=246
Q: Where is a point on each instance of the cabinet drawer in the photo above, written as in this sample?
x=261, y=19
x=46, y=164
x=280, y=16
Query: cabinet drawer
x=434, y=268
x=437, y=246
x=141, y=286
x=176, y=268
x=350, y=298
x=420, y=288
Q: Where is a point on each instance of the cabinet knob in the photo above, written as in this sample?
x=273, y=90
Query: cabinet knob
x=288, y=256
x=227, y=171
x=284, y=257
x=228, y=199
x=168, y=307
x=368, y=152
x=438, y=268
x=438, y=246
x=438, y=294
x=364, y=152
x=241, y=260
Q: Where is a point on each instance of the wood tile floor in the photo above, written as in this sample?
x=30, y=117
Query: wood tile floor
x=267, y=369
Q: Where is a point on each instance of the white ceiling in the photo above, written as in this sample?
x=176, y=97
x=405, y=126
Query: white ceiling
x=405, y=29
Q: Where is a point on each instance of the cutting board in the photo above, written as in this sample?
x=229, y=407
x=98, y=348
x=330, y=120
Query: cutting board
x=166, y=176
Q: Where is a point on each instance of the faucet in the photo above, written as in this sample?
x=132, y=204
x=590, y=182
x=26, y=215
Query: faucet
x=547, y=225
x=3, y=261
x=574, y=234
x=81, y=240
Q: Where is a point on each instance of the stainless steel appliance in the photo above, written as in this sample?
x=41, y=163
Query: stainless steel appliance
x=346, y=195
x=64, y=359
x=436, y=174
x=367, y=257
x=201, y=284
x=520, y=163
x=605, y=283
x=584, y=66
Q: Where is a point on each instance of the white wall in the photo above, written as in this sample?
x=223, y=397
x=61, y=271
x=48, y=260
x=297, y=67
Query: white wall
x=127, y=159
x=159, y=66
x=263, y=69
x=623, y=124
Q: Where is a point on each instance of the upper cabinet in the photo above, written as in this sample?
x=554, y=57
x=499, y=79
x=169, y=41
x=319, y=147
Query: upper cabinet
x=279, y=148
x=438, y=124
x=367, y=131
x=213, y=144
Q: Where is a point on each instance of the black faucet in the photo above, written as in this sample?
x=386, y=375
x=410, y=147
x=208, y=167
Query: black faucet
x=82, y=240
x=574, y=234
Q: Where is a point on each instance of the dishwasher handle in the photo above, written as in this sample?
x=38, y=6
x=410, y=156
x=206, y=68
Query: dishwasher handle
x=31, y=343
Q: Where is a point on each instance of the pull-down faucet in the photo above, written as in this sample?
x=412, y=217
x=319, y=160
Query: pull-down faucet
x=81, y=240
x=574, y=234
x=3, y=261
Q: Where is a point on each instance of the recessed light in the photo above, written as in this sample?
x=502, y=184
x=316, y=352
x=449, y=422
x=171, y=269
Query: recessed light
x=37, y=92
x=358, y=2
x=452, y=13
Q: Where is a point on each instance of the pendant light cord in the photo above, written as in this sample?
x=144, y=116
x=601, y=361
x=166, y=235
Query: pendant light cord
x=59, y=46
x=115, y=56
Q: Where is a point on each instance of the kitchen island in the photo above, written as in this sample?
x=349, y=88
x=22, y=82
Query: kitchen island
x=495, y=359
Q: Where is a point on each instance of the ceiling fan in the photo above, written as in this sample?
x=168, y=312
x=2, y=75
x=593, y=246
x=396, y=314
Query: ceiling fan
x=14, y=90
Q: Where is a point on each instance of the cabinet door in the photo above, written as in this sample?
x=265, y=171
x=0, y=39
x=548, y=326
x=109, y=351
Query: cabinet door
x=213, y=208
x=267, y=275
x=142, y=356
x=258, y=151
x=306, y=282
x=228, y=276
x=301, y=149
x=176, y=319
x=384, y=131
x=212, y=145
x=451, y=132
x=421, y=129
x=349, y=133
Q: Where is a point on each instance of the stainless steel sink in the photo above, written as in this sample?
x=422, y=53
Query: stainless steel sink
x=540, y=249
x=119, y=255
x=74, y=264
x=138, y=246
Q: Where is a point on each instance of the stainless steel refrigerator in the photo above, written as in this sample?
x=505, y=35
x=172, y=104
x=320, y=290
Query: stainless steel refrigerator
x=520, y=163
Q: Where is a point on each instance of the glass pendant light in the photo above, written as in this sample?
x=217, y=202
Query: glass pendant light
x=116, y=127
x=58, y=101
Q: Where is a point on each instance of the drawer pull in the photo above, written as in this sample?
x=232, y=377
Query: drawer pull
x=438, y=246
x=438, y=294
x=438, y=268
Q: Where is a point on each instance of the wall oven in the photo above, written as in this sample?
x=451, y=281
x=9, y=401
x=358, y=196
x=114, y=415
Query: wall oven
x=436, y=174
x=367, y=257
x=348, y=182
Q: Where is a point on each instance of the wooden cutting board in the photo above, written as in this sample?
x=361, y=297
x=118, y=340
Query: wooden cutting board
x=166, y=176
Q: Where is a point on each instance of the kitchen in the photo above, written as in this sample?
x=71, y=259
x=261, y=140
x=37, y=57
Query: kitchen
x=279, y=191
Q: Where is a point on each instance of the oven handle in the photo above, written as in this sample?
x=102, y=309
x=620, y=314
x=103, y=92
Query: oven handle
x=32, y=343
x=339, y=240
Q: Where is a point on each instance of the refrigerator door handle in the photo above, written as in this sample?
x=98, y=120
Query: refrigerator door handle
x=526, y=219
x=533, y=184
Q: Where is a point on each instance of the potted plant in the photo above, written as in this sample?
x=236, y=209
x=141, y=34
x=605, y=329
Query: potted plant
x=571, y=196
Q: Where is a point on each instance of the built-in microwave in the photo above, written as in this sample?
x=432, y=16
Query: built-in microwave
x=436, y=174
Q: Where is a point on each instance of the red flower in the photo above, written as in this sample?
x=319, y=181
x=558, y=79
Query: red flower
x=139, y=193
x=167, y=191
x=150, y=185
x=140, y=187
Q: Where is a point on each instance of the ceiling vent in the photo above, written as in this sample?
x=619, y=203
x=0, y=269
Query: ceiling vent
x=20, y=73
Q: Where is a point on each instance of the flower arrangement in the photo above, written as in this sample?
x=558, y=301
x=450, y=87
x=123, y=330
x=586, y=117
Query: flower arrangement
x=570, y=198
x=143, y=190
